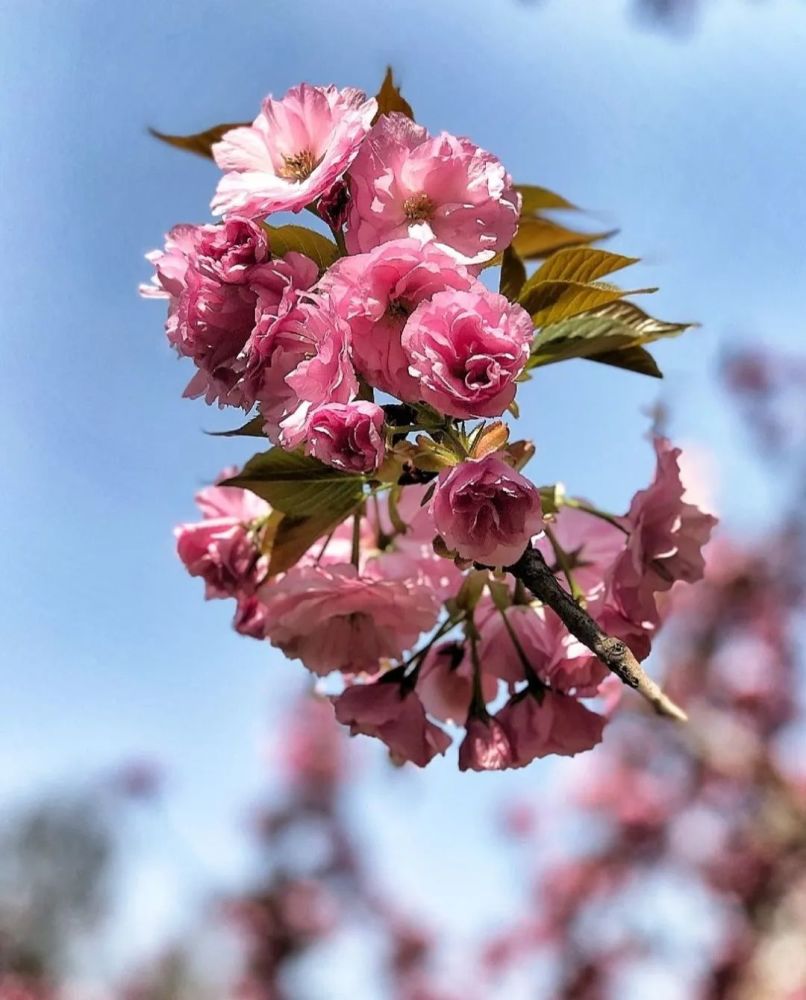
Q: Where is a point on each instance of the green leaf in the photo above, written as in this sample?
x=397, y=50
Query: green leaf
x=538, y=237
x=200, y=143
x=551, y=301
x=252, y=428
x=296, y=484
x=513, y=275
x=284, y=239
x=539, y=199
x=582, y=264
x=613, y=329
x=390, y=99
x=295, y=535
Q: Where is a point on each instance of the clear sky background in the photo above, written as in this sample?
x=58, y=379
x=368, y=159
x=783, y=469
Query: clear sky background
x=693, y=145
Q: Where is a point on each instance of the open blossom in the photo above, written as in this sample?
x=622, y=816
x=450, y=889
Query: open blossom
x=465, y=349
x=556, y=724
x=410, y=555
x=215, y=278
x=445, y=682
x=220, y=548
x=665, y=542
x=333, y=618
x=299, y=362
x=486, y=511
x=395, y=716
x=228, y=252
x=376, y=292
x=293, y=152
x=556, y=657
x=348, y=436
x=439, y=189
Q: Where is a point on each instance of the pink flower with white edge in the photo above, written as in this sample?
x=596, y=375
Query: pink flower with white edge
x=293, y=152
x=440, y=189
x=220, y=548
x=465, y=349
x=395, y=716
x=486, y=511
x=537, y=635
x=376, y=292
x=333, y=618
x=299, y=362
x=553, y=724
x=347, y=436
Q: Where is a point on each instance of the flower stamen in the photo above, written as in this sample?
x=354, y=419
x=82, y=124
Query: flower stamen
x=299, y=166
x=418, y=208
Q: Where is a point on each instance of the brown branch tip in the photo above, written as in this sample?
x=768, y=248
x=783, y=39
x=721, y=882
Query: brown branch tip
x=533, y=571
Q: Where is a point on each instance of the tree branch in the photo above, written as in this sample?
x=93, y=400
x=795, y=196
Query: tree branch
x=532, y=570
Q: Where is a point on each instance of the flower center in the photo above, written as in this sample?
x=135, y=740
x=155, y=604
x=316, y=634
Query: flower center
x=418, y=208
x=299, y=166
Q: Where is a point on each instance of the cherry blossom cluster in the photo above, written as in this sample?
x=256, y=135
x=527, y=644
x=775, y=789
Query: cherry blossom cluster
x=313, y=335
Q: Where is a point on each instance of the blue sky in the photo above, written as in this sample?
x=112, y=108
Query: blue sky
x=693, y=147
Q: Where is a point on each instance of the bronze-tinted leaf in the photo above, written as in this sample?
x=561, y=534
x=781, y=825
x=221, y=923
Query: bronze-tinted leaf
x=296, y=484
x=540, y=237
x=390, y=99
x=513, y=274
x=284, y=239
x=200, y=143
x=583, y=264
x=549, y=302
x=519, y=453
x=492, y=438
x=540, y=199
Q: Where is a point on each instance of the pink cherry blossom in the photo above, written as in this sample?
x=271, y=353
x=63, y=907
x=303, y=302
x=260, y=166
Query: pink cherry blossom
x=593, y=545
x=410, y=555
x=486, y=511
x=299, y=362
x=442, y=189
x=466, y=348
x=293, y=152
x=553, y=724
x=395, y=716
x=230, y=252
x=214, y=277
x=332, y=618
x=221, y=548
x=348, y=436
x=665, y=542
x=487, y=746
x=555, y=656
x=376, y=292
x=445, y=682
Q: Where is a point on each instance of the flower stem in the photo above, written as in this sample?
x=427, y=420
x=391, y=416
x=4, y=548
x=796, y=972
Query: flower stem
x=565, y=565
